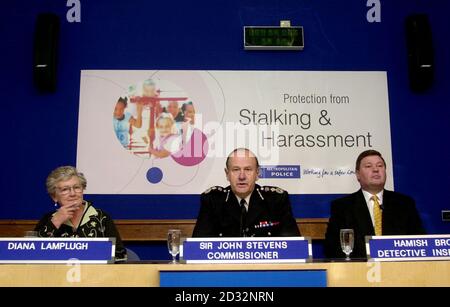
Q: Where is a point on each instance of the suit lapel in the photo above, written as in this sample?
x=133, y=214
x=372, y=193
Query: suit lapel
x=362, y=214
x=387, y=208
x=234, y=208
x=387, y=199
x=256, y=207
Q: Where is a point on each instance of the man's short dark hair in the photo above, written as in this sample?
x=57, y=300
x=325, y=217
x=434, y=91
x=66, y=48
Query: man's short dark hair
x=242, y=148
x=367, y=153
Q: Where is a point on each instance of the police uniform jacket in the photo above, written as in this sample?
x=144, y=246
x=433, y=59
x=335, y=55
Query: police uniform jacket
x=269, y=214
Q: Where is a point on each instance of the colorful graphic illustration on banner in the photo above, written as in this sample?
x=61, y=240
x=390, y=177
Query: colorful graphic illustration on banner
x=156, y=120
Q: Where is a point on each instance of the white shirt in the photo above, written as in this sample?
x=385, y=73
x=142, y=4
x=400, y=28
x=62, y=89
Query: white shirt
x=369, y=202
x=247, y=200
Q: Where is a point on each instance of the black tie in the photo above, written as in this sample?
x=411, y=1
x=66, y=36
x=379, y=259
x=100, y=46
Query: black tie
x=242, y=231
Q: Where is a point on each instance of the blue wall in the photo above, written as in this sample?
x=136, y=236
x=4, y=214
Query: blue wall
x=40, y=131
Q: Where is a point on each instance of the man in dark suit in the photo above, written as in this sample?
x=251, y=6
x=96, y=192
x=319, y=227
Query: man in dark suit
x=360, y=211
x=244, y=209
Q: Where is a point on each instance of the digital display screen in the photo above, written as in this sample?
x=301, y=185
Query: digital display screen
x=273, y=38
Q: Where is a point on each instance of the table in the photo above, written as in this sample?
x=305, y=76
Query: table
x=146, y=273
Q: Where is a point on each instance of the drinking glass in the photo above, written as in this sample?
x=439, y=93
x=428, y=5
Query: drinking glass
x=173, y=243
x=347, y=241
x=30, y=234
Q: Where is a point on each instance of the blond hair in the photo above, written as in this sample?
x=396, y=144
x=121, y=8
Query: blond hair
x=63, y=173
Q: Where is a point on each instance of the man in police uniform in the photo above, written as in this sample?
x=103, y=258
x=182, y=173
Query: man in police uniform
x=244, y=209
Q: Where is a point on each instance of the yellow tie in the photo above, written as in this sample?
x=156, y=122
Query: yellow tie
x=377, y=216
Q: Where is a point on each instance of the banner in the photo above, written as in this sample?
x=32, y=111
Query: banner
x=169, y=132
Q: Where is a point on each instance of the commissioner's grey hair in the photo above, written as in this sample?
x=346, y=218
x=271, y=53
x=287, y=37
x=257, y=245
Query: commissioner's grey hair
x=248, y=153
x=63, y=173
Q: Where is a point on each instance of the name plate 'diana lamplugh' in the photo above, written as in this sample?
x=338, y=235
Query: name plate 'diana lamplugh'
x=57, y=250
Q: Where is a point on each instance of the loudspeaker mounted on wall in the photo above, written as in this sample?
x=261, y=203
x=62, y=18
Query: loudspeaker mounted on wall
x=420, y=52
x=46, y=52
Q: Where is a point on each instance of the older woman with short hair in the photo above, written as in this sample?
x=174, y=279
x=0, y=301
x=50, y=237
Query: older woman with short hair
x=75, y=216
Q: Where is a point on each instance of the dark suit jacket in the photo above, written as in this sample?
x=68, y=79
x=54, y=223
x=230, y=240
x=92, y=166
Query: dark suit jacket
x=400, y=217
x=269, y=214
